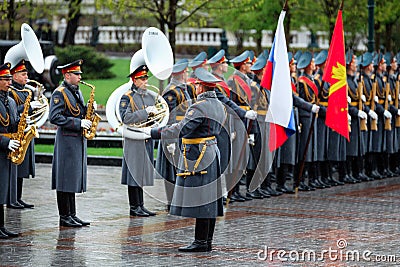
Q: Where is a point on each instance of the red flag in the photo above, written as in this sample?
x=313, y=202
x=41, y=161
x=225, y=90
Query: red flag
x=335, y=75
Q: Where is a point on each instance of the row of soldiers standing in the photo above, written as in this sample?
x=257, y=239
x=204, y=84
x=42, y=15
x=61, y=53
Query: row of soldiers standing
x=371, y=153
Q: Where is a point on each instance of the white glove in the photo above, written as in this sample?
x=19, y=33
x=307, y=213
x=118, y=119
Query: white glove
x=251, y=115
x=376, y=99
x=398, y=112
x=363, y=98
x=315, y=108
x=86, y=124
x=233, y=134
x=95, y=105
x=171, y=148
x=387, y=114
x=151, y=109
x=362, y=114
x=13, y=145
x=35, y=104
x=373, y=114
x=390, y=98
x=251, y=139
x=349, y=99
x=349, y=118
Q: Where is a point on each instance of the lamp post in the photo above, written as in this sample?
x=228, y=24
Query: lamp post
x=371, y=41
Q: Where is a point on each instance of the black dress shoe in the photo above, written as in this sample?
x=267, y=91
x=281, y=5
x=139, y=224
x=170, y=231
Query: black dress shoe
x=283, y=189
x=263, y=193
x=80, y=221
x=246, y=198
x=15, y=205
x=26, y=205
x=3, y=235
x=254, y=194
x=67, y=221
x=148, y=212
x=9, y=233
x=196, y=246
x=237, y=198
x=137, y=211
x=271, y=191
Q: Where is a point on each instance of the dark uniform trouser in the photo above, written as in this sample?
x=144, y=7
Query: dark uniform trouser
x=66, y=203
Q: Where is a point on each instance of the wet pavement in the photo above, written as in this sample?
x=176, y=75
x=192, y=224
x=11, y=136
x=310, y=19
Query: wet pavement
x=351, y=225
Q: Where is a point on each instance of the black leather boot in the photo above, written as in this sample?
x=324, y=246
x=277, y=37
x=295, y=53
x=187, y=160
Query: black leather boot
x=254, y=194
x=20, y=182
x=211, y=227
x=141, y=203
x=134, y=202
x=266, y=186
x=63, y=203
x=72, y=210
x=200, y=237
x=4, y=233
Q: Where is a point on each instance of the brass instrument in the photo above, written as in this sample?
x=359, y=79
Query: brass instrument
x=396, y=102
x=363, y=122
x=388, y=121
x=374, y=126
x=154, y=118
x=91, y=114
x=39, y=115
x=22, y=135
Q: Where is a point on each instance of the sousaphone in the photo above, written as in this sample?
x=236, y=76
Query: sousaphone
x=156, y=53
x=30, y=50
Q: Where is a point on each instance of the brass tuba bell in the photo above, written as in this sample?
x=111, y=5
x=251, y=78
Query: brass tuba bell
x=157, y=54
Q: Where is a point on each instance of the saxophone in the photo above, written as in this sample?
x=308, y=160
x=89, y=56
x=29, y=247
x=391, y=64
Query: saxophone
x=90, y=114
x=24, y=134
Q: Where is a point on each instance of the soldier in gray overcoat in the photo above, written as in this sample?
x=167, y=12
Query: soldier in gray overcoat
x=378, y=138
x=27, y=168
x=355, y=148
x=391, y=137
x=69, y=169
x=367, y=80
x=137, y=164
x=8, y=124
x=179, y=96
x=308, y=91
x=198, y=191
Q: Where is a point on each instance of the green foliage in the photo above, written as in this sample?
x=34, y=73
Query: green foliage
x=105, y=87
x=95, y=64
x=95, y=151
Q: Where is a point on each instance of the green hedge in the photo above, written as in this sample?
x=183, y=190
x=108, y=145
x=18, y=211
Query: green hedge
x=95, y=64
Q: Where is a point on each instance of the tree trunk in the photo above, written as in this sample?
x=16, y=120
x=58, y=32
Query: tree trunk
x=172, y=25
x=11, y=20
x=74, y=13
x=388, y=37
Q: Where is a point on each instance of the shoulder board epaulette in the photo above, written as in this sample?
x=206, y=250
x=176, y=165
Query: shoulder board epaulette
x=373, y=77
x=198, y=102
x=253, y=83
x=60, y=89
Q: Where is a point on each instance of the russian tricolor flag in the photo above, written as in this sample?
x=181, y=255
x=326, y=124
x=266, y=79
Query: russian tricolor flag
x=276, y=78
